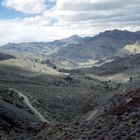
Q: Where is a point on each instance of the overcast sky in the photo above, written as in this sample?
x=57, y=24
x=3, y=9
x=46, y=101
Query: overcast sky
x=45, y=20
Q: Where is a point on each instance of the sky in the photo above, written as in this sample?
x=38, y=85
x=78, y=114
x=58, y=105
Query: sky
x=47, y=20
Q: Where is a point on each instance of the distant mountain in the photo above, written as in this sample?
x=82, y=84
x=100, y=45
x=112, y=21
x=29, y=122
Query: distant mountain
x=74, y=39
x=76, y=51
x=99, y=47
x=31, y=49
x=44, y=49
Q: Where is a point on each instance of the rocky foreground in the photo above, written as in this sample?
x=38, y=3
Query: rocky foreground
x=118, y=120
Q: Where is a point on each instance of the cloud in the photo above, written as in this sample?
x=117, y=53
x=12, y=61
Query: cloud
x=89, y=4
x=96, y=9
x=26, y=6
x=64, y=18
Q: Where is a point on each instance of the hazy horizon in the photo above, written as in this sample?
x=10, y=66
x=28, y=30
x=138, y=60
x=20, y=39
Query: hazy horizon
x=64, y=37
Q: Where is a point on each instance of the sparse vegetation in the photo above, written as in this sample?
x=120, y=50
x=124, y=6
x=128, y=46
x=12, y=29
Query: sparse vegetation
x=40, y=101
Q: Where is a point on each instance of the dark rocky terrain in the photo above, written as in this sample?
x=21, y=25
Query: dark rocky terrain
x=118, y=119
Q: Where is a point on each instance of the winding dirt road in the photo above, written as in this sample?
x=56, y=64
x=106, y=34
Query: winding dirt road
x=28, y=103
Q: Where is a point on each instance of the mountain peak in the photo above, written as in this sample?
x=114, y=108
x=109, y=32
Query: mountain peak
x=75, y=36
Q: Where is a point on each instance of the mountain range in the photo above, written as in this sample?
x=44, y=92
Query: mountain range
x=76, y=51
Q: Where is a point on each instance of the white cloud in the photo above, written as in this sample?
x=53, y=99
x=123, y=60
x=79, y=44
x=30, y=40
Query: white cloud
x=26, y=6
x=83, y=17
